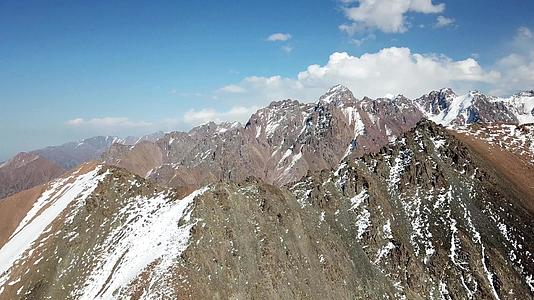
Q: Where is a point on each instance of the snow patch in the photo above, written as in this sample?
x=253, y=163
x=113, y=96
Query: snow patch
x=357, y=200
x=152, y=233
x=45, y=210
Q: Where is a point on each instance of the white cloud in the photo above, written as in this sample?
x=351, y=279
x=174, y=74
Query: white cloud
x=523, y=33
x=391, y=70
x=279, y=37
x=518, y=73
x=523, y=41
x=105, y=122
x=238, y=113
x=442, y=21
x=361, y=41
x=232, y=89
x=385, y=15
x=517, y=68
x=75, y=122
x=388, y=71
x=287, y=48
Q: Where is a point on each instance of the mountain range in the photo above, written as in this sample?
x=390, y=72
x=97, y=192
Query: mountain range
x=389, y=198
x=29, y=169
x=283, y=141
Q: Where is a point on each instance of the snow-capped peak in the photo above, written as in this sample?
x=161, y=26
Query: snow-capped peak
x=338, y=88
x=336, y=93
x=522, y=106
x=447, y=91
x=225, y=126
x=446, y=108
x=529, y=93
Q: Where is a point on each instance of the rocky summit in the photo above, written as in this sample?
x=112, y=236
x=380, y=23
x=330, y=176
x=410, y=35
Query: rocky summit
x=283, y=141
x=343, y=198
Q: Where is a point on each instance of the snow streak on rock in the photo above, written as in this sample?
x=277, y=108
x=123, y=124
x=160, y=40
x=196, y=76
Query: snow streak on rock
x=155, y=233
x=46, y=209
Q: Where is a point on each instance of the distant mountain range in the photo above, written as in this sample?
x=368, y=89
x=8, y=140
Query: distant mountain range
x=29, y=169
x=389, y=198
x=72, y=154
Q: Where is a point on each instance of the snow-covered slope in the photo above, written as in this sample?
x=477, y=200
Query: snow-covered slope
x=521, y=105
x=94, y=235
x=446, y=108
x=45, y=210
x=516, y=139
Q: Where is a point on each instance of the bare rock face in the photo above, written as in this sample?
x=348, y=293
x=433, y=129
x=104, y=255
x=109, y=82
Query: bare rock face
x=279, y=144
x=433, y=215
x=25, y=171
x=426, y=216
x=282, y=142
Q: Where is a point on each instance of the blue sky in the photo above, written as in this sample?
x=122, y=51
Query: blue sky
x=73, y=69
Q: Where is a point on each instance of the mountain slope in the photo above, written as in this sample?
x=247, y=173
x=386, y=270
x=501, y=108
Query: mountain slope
x=446, y=108
x=25, y=171
x=286, y=139
x=72, y=154
x=279, y=143
x=508, y=149
x=74, y=224
x=424, y=217
x=433, y=215
x=104, y=233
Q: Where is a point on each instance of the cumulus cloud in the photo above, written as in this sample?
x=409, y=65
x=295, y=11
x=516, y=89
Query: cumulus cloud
x=279, y=37
x=442, y=21
x=238, y=113
x=115, y=122
x=517, y=68
x=389, y=71
x=385, y=15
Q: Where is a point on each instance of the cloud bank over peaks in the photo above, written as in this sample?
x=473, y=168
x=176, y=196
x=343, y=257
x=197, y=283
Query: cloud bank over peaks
x=388, y=71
